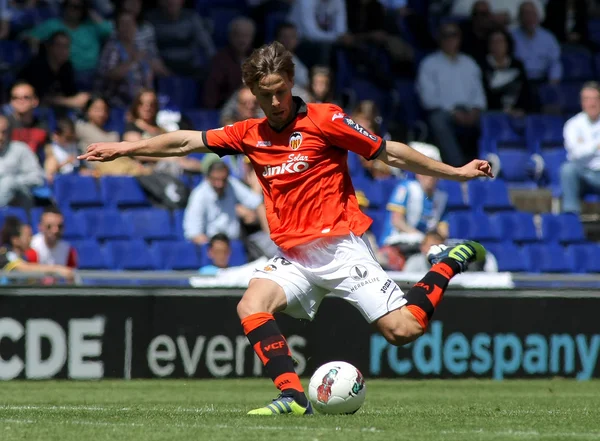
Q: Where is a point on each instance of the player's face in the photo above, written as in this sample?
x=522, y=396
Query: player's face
x=274, y=95
x=51, y=226
x=219, y=253
x=23, y=99
x=590, y=103
x=218, y=180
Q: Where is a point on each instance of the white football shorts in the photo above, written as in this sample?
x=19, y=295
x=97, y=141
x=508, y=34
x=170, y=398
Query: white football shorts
x=344, y=266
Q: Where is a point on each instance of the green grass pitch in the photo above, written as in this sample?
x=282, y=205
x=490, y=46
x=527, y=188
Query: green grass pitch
x=214, y=410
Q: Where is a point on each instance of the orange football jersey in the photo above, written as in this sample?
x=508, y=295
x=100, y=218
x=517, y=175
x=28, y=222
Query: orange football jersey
x=303, y=170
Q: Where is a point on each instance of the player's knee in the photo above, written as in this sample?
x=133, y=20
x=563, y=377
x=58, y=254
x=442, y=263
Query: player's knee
x=403, y=332
x=246, y=307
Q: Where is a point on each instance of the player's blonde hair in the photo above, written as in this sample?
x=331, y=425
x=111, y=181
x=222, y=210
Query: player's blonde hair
x=269, y=59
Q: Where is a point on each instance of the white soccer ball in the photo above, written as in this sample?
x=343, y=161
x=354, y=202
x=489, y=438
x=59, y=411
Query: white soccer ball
x=337, y=387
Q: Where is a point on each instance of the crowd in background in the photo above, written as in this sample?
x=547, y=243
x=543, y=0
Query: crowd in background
x=93, y=69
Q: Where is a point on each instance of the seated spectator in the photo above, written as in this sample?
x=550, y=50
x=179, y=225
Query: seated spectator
x=416, y=207
x=450, y=88
x=222, y=204
x=321, y=23
x=20, y=170
x=124, y=69
x=24, y=125
x=418, y=263
x=287, y=34
x=61, y=155
x=52, y=75
x=85, y=27
x=581, y=172
x=536, y=47
x=15, y=240
x=225, y=75
x=5, y=17
x=48, y=246
x=321, y=87
x=506, y=85
x=145, y=37
x=245, y=107
x=183, y=42
x=260, y=11
x=476, y=31
x=219, y=251
x=567, y=20
x=506, y=12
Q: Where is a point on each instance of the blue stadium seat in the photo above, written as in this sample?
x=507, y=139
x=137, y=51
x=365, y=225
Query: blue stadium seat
x=379, y=218
x=14, y=52
x=74, y=191
x=563, y=228
x=547, y=258
x=409, y=108
x=490, y=195
x=203, y=119
x=579, y=257
x=18, y=212
x=221, y=17
x=178, y=223
x=182, y=92
x=456, y=195
x=515, y=226
x=150, y=223
x=516, y=167
x=375, y=191
x=238, y=254
x=176, y=255
x=105, y=224
x=130, y=255
x=472, y=226
x=509, y=257
x=499, y=130
x=116, y=120
x=122, y=192
x=553, y=160
x=577, y=64
x=543, y=130
x=89, y=255
x=593, y=261
x=563, y=97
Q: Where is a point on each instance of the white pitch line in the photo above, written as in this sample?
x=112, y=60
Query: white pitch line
x=523, y=433
x=75, y=408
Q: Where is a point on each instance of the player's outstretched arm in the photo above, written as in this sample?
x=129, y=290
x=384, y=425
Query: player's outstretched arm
x=402, y=156
x=178, y=143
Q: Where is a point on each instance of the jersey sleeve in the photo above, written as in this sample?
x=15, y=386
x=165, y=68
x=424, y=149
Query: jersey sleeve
x=226, y=140
x=344, y=132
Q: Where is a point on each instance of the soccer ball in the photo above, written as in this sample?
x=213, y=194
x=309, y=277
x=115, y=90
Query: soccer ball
x=337, y=387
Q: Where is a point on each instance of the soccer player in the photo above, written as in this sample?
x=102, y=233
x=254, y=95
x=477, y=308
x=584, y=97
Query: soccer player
x=299, y=152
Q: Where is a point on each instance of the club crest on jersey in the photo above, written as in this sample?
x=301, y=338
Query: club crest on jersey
x=295, y=140
x=360, y=129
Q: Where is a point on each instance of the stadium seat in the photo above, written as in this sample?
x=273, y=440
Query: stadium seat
x=150, y=223
x=516, y=167
x=122, y=192
x=563, y=228
x=543, y=130
x=472, y=226
x=130, y=255
x=176, y=255
x=178, y=224
x=561, y=97
x=14, y=52
x=515, y=226
x=499, y=130
x=203, y=119
x=547, y=258
x=18, y=212
x=375, y=191
x=578, y=257
x=74, y=191
x=456, y=195
x=238, y=254
x=181, y=92
x=116, y=120
x=509, y=257
x=105, y=224
x=379, y=218
x=89, y=255
x=490, y=195
x=553, y=160
x=577, y=64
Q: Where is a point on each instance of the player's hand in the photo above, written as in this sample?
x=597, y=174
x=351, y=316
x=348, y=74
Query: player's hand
x=103, y=151
x=475, y=169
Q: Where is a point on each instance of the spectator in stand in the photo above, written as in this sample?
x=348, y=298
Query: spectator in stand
x=183, y=41
x=506, y=85
x=222, y=204
x=145, y=37
x=219, y=252
x=287, y=34
x=450, y=88
x=20, y=170
x=48, y=246
x=24, y=125
x=537, y=48
x=124, y=69
x=321, y=23
x=417, y=263
x=581, y=172
x=61, y=155
x=225, y=75
x=15, y=240
x=52, y=74
x=506, y=12
x=476, y=30
x=245, y=107
x=260, y=10
x=5, y=17
x=567, y=20
x=321, y=88
x=87, y=30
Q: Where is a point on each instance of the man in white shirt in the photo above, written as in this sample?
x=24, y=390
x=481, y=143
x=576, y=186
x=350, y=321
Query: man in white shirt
x=582, y=141
x=450, y=88
x=47, y=246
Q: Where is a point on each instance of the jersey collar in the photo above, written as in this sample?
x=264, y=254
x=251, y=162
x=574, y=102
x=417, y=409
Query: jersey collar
x=301, y=107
